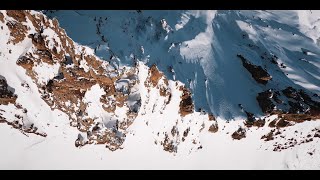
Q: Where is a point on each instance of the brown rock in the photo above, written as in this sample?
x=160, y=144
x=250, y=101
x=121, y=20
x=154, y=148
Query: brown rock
x=239, y=134
x=268, y=137
x=273, y=123
x=259, y=123
x=214, y=128
x=155, y=75
x=17, y=31
x=186, y=104
x=265, y=102
x=257, y=72
x=6, y=96
x=211, y=117
x=1, y=17
x=282, y=123
x=168, y=145
x=186, y=132
x=18, y=15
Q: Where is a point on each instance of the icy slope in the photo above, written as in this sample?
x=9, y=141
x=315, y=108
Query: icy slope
x=201, y=48
x=63, y=107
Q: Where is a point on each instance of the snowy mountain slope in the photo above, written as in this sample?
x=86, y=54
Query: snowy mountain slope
x=102, y=100
x=75, y=110
x=200, y=45
x=58, y=152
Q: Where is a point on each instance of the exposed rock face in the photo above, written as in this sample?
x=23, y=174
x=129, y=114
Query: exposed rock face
x=259, y=123
x=78, y=71
x=155, y=75
x=6, y=96
x=168, y=145
x=298, y=118
x=269, y=136
x=17, y=29
x=301, y=102
x=300, y=107
x=265, y=101
x=282, y=123
x=256, y=123
x=214, y=128
x=257, y=72
x=1, y=17
x=157, y=80
x=239, y=134
x=211, y=117
x=19, y=16
x=186, y=103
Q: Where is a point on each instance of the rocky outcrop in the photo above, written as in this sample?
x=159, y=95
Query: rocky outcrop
x=168, y=145
x=211, y=117
x=186, y=103
x=6, y=96
x=17, y=31
x=300, y=107
x=256, y=123
x=298, y=118
x=301, y=103
x=79, y=70
x=239, y=134
x=1, y=17
x=269, y=136
x=155, y=75
x=259, y=123
x=19, y=16
x=157, y=79
x=214, y=128
x=265, y=101
x=257, y=72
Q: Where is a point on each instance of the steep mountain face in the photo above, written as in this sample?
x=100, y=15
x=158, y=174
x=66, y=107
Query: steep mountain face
x=200, y=49
x=137, y=85
x=101, y=100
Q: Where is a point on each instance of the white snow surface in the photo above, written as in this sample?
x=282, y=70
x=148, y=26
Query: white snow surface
x=45, y=72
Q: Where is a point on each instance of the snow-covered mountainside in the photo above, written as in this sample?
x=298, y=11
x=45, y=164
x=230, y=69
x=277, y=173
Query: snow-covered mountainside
x=159, y=89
